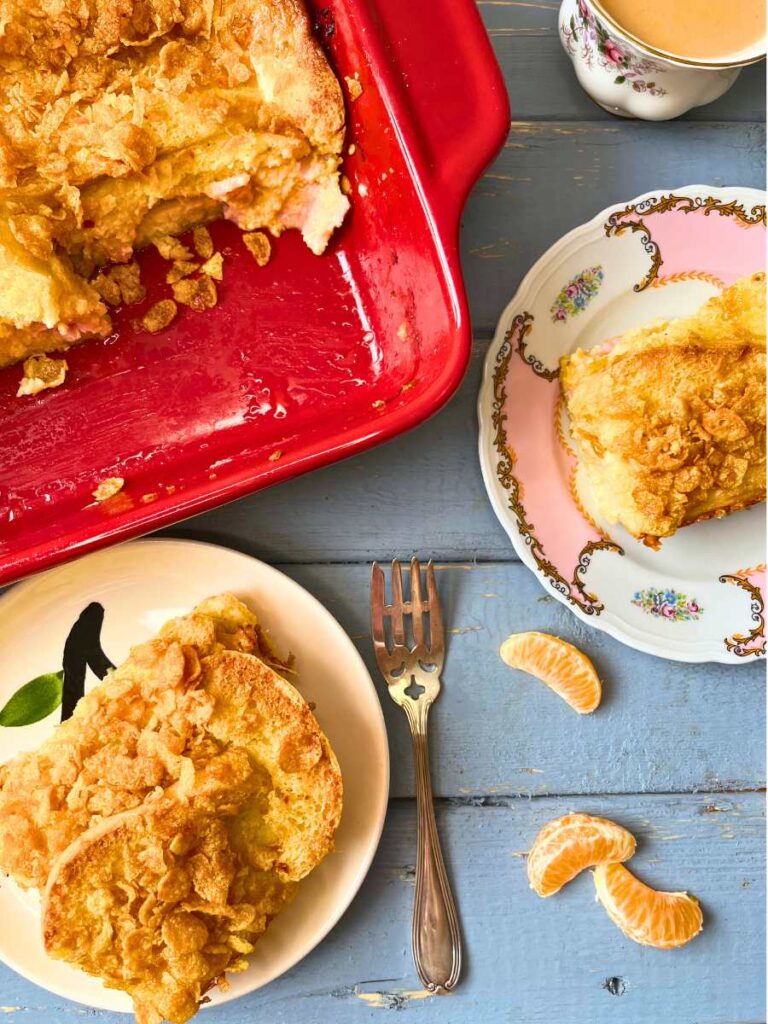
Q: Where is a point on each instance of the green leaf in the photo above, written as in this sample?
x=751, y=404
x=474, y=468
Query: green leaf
x=620, y=80
x=33, y=701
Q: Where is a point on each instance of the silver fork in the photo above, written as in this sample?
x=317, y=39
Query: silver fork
x=435, y=933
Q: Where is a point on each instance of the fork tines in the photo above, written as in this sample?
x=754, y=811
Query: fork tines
x=428, y=648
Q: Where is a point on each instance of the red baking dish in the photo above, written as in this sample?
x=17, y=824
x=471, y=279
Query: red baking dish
x=302, y=362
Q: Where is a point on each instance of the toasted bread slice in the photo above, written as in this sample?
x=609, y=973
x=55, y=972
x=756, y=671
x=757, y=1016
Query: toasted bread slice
x=161, y=901
x=199, y=712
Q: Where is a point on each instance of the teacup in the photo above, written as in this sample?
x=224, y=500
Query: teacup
x=628, y=77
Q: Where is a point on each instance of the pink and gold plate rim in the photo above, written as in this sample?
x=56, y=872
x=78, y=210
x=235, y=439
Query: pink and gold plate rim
x=616, y=222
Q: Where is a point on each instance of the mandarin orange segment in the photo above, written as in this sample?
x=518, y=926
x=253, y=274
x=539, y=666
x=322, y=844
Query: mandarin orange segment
x=557, y=663
x=567, y=845
x=665, y=920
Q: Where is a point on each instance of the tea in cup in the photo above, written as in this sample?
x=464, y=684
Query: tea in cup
x=655, y=59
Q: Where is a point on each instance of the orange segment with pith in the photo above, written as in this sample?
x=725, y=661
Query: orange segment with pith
x=567, y=845
x=557, y=663
x=665, y=920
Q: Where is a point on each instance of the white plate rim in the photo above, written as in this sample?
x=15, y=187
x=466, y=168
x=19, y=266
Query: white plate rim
x=381, y=798
x=674, y=651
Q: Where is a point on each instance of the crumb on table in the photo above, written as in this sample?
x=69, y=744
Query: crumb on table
x=108, y=488
x=199, y=293
x=258, y=245
x=159, y=316
x=41, y=372
x=276, y=455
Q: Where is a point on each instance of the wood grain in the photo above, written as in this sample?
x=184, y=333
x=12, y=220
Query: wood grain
x=529, y=961
x=662, y=726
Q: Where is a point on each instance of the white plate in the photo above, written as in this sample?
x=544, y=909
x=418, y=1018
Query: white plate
x=701, y=597
x=141, y=585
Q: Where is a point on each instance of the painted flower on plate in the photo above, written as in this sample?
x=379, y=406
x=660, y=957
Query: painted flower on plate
x=576, y=295
x=668, y=604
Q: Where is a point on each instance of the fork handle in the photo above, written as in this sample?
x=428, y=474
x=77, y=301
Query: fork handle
x=436, y=937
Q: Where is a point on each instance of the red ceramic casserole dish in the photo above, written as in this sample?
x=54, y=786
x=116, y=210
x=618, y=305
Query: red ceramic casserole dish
x=302, y=362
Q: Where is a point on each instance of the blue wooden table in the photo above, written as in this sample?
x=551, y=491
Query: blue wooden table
x=675, y=752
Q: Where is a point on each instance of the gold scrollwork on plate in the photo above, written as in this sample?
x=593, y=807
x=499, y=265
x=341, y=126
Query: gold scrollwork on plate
x=618, y=221
x=752, y=643
x=574, y=591
x=521, y=327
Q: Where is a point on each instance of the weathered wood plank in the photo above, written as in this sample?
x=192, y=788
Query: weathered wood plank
x=662, y=727
x=528, y=960
x=542, y=84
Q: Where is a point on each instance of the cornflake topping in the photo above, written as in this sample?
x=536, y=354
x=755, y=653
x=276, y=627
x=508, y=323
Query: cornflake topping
x=203, y=243
x=198, y=294
x=171, y=248
x=257, y=243
x=120, y=284
x=354, y=87
x=40, y=373
x=180, y=269
x=159, y=316
x=214, y=267
x=127, y=277
x=108, y=488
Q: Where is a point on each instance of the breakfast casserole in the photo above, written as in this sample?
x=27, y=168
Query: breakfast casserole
x=669, y=423
x=126, y=123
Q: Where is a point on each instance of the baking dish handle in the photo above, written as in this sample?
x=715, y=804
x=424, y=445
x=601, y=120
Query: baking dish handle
x=460, y=111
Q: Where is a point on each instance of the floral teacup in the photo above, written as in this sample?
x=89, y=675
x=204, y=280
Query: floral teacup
x=631, y=79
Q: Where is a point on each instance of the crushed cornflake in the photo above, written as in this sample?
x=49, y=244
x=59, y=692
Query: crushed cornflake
x=198, y=294
x=402, y=331
x=159, y=316
x=127, y=277
x=203, y=243
x=41, y=372
x=147, y=499
x=214, y=267
x=346, y=185
x=378, y=404
x=362, y=190
x=352, y=149
x=276, y=455
x=108, y=289
x=354, y=88
x=171, y=248
x=180, y=269
x=259, y=246
x=108, y=488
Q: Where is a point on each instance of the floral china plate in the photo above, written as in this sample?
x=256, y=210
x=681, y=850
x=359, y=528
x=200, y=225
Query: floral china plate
x=103, y=604
x=701, y=597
